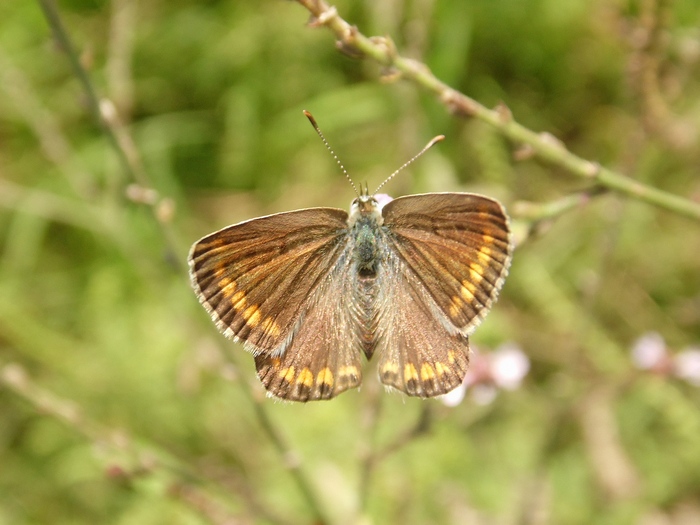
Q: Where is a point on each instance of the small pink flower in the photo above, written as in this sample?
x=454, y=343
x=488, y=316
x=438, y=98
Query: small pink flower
x=383, y=199
x=484, y=394
x=509, y=366
x=649, y=351
x=504, y=368
x=687, y=365
x=454, y=397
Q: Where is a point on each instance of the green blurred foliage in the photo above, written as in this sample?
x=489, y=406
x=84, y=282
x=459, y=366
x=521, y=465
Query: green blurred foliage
x=96, y=307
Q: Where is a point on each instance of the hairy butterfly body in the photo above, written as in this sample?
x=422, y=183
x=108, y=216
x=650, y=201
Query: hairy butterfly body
x=309, y=291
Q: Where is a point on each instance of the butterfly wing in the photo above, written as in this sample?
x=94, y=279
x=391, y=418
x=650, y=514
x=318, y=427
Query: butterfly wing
x=418, y=354
x=452, y=251
x=265, y=282
x=323, y=359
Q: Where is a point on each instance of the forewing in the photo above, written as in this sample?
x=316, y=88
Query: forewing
x=457, y=246
x=257, y=278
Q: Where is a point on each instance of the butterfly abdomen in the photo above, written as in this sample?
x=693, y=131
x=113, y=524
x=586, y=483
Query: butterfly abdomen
x=366, y=312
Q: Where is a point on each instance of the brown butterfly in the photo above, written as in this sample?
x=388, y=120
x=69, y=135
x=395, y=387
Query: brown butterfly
x=309, y=291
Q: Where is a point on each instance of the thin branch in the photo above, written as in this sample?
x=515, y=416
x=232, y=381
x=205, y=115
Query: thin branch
x=537, y=214
x=105, y=114
x=121, y=46
x=370, y=422
x=292, y=461
x=120, y=140
x=52, y=207
x=383, y=51
x=614, y=470
x=126, y=459
x=646, y=61
x=81, y=73
x=52, y=140
x=376, y=456
x=421, y=427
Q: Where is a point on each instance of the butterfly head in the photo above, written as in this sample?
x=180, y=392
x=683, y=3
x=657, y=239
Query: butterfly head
x=368, y=206
x=365, y=207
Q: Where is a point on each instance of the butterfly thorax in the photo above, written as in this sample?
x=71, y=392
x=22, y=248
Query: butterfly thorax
x=365, y=222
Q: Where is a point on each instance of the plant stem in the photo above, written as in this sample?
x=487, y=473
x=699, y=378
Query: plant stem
x=382, y=50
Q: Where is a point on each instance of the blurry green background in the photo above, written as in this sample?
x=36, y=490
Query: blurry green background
x=121, y=403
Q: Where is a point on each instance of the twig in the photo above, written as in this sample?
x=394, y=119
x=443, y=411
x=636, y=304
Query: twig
x=126, y=460
x=52, y=207
x=79, y=71
x=614, y=470
x=121, y=44
x=292, y=460
x=52, y=140
x=645, y=66
x=382, y=50
x=106, y=115
x=370, y=422
x=375, y=457
x=420, y=428
x=535, y=213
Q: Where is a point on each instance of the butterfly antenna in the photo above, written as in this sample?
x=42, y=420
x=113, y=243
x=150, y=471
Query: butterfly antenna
x=318, y=130
x=429, y=145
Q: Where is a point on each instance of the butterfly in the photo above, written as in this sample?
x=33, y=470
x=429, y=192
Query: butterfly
x=309, y=291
